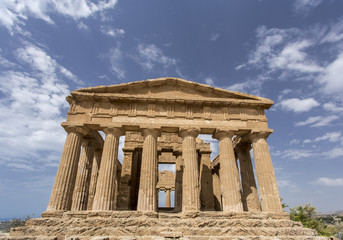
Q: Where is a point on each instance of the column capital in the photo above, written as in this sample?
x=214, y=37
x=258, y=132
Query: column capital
x=185, y=132
x=254, y=136
x=80, y=130
x=117, y=132
x=128, y=150
x=177, y=153
x=151, y=131
x=220, y=134
x=243, y=146
x=89, y=141
x=202, y=151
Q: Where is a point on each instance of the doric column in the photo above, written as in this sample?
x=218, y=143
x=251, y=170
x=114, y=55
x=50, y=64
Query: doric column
x=216, y=190
x=83, y=177
x=250, y=195
x=190, y=179
x=147, y=195
x=94, y=178
x=206, y=187
x=229, y=176
x=168, y=205
x=105, y=188
x=117, y=183
x=62, y=192
x=124, y=201
x=178, y=182
x=267, y=186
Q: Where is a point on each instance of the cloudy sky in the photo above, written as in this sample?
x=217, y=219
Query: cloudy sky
x=288, y=51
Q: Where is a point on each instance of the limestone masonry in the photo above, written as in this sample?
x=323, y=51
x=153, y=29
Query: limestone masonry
x=97, y=197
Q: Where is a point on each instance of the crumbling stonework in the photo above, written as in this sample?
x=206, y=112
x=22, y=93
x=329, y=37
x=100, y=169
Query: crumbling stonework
x=97, y=197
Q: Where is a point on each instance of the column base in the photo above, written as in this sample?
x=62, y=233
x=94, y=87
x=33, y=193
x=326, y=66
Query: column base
x=53, y=213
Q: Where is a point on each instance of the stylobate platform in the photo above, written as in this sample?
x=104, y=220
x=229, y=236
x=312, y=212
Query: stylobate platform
x=110, y=225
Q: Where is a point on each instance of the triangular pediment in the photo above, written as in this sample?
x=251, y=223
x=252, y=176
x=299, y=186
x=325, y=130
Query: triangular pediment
x=171, y=88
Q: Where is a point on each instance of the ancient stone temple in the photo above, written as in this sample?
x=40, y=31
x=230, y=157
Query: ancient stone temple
x=95, y=196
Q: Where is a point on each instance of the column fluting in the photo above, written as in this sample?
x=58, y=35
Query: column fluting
x=81, y=189
x=249, y=196
x=178, y=182
x=124, y=201
x=105, y=188
x=217, y=190
x=206, y=187
x=94, y=178
x=229, y=176
x=147, y=195
x=62, y=192
x=168, y=205
x=190, y=179
x=267, y=186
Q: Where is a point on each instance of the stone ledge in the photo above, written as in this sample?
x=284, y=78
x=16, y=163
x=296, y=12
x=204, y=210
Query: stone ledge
x=135, y=214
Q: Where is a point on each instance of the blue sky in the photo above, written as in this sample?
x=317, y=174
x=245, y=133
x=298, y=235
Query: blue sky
x=288, y=51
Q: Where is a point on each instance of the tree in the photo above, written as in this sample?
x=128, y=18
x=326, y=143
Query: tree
x=17, y=222
x=307, y=216
x=284, y=205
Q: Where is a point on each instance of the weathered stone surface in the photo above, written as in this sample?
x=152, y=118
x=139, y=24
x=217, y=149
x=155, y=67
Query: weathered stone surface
x=105, y=188
x=204, y=225
x=229, y=176
x=190, y=185
x=206, y=186
x=61, y=196
x=83, y=177
x=147, y=196
x=94, y=178
x=249, y=195
x=161, y=119
x=269, y=193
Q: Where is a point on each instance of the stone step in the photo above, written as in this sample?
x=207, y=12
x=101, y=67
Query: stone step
x=146, y=231
x=165, y=222
x=164, y=238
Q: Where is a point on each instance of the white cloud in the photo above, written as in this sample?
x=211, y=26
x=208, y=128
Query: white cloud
x=334, y=153
x=298, y=105
x=330, y=182
x=112, y=32
x=214, y=37
x=294, y=141
x=42, y=63
x=69, y=75
x=318, y=121
x=239, y=86
x=115, y=55
x=4, y=62
x=331, y=106
x=150, y=56
x=293, y=54
x=83, y=27
x=13, y=14
x=209, y=81
x=332, y=77
x=334, y=32
x=294, y=58
x=305, y=6
x=249, y=86
x=331, y=136
x=31, y=109
x=294, y=154
x=282, y=49
x=287, y=184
